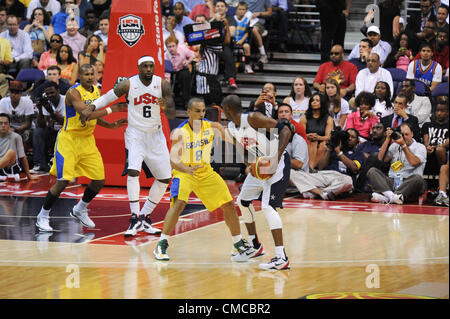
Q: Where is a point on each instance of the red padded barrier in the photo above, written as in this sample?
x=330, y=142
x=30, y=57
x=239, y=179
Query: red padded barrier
x=135, y=29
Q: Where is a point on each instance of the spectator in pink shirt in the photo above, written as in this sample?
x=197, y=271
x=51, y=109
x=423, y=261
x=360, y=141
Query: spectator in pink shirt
x=180, y=57
x=363, y=119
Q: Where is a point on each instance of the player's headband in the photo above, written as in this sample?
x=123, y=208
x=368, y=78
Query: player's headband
x=146, y=58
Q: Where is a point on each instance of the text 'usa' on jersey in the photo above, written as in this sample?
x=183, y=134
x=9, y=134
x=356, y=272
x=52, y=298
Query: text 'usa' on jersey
x=144, y=112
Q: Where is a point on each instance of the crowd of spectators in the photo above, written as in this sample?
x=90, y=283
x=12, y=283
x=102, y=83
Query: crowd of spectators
x=374, y=121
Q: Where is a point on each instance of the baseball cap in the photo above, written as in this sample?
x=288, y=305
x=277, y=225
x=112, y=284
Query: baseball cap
x=16, y=85
x=373, y=28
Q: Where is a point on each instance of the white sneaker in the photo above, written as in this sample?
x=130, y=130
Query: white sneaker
x=135, y=226
x=397, y=199
x=248, y=69
x=82, y=216
x=243, y=251
x=160, y=251
x=42, y=223
x=379, y=198
x=277, y=263
x=148, y=228
x=35, y=169
x=263, y=59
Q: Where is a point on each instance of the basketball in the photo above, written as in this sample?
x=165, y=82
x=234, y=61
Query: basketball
x=261, y=167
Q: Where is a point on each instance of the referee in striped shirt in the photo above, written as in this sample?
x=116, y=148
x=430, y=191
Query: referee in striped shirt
x=208, y=86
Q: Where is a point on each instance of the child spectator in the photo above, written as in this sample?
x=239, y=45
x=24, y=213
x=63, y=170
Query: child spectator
x=239, y=29
x=180, y=57
x=338, y=107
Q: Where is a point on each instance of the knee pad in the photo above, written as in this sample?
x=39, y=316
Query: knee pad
x=133, y=188
x=247, y=211
x=273, y=218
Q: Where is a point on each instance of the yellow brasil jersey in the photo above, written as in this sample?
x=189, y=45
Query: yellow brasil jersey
x=197, y=145
x=72, y=123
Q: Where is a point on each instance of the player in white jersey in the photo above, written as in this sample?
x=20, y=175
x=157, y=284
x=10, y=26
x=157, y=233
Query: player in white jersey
x=255, y=132
x=145, y=143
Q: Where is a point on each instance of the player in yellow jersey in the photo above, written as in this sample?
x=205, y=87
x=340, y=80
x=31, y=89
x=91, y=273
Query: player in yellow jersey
x=76, y=153
x=192, y=172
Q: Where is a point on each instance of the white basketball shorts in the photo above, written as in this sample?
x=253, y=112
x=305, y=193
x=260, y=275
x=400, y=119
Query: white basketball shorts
x=150, y=148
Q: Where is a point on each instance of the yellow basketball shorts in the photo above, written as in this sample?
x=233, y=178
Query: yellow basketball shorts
x=77, y=156
x=211, y=189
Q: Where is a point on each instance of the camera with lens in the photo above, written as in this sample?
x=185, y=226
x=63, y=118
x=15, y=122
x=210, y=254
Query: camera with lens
x=43, y=100
x=338, y=136
x=396, y=134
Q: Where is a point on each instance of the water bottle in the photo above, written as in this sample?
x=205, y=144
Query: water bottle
x=398, y=180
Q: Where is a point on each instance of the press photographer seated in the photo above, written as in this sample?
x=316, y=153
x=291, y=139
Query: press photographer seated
x=337, y=169
x=407, y=159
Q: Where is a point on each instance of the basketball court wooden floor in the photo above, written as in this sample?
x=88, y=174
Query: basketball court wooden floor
x=343, y=249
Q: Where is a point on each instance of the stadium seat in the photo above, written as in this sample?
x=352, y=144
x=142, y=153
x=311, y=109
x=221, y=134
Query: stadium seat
x=421, y=89
x=440, y=90
x=398, y=75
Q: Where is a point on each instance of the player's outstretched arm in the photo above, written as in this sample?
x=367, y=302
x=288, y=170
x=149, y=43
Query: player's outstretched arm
x=166, y=103
x=257, y=120
x=112, y=95
x=114, y=125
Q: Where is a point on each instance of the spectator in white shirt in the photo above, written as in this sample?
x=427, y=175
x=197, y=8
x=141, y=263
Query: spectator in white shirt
x=419, y=106
x=103, y=28
x=379, y=46
x=22, y=50
x=367, y=78
x=52, y=6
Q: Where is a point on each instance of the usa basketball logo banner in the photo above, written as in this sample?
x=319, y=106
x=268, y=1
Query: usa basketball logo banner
x=130, y=29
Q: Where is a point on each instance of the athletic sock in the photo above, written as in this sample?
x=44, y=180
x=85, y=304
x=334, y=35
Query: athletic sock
x=279, y=252
x=262, y=50
x=44, y=213
x=443, y=193
x=164, y=236
x=155, y=195
x=134, y=208
x=148, y=208
x=81, y=205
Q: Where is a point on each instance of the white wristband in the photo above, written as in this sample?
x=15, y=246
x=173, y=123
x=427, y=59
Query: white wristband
x=108, y=110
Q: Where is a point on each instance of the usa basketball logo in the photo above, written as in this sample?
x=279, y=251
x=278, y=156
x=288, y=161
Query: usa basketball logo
x=130, y=29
